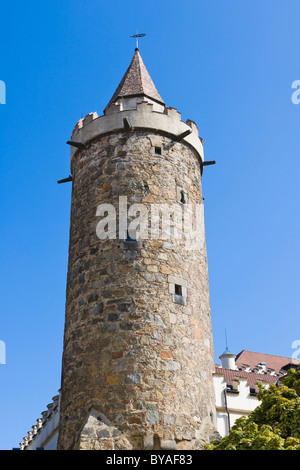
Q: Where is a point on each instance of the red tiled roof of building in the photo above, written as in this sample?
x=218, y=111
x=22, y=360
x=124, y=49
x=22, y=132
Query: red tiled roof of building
x=136, y=81
x=252, y=378
x=270, y=373
x=252, y=359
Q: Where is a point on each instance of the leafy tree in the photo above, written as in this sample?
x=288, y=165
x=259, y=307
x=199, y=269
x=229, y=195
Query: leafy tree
x=273, y=425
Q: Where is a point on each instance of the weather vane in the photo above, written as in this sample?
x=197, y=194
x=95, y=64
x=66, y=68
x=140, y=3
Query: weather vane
x=137, y=36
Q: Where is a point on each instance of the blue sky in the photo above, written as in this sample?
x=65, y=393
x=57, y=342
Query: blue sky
x=227, y=65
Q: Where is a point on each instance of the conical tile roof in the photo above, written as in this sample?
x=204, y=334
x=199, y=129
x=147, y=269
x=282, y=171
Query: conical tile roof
x=136, y=81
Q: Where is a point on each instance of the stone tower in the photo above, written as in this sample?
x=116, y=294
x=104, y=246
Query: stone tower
x=138, y=352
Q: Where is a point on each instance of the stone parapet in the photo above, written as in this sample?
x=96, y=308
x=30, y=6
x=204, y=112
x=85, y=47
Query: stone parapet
x=143, y=117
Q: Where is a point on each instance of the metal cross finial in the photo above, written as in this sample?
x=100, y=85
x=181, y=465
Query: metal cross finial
x=137, y=36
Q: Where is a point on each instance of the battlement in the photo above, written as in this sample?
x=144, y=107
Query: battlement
x=143, y=116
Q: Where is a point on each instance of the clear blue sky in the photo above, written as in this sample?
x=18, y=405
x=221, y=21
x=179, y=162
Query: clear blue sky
x=227, y=65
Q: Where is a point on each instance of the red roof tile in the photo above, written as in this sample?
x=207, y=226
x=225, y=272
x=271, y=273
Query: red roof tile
x=252, y=378
x=252, y=359
x=136, y=81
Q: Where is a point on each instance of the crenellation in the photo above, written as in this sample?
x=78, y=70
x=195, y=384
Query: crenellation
x=192, y=125
x=143, y=116
x=89, y=118
x=77, y=126
x=173, y=113
x=144, y=107
x=113, y=108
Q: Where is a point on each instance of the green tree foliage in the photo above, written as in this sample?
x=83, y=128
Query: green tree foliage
x=273, y=425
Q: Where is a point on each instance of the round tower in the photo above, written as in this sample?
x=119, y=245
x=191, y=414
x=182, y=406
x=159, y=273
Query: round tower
x=138, y=351
x=228, y=360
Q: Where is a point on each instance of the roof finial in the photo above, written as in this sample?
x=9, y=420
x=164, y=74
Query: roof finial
x=226, y=343
x=137, y=36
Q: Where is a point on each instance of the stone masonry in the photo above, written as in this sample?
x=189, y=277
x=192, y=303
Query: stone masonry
x=137, y=363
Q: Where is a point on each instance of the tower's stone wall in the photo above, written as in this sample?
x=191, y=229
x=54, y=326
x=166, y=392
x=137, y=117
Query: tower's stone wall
x=137, y=365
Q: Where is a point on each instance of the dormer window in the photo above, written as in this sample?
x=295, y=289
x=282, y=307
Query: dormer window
x=233, y=388
x=157, y=150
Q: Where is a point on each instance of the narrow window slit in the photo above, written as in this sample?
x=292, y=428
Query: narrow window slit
x=182, y=197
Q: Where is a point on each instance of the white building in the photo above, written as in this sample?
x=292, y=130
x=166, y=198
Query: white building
x=236, y=383
x=44, y=433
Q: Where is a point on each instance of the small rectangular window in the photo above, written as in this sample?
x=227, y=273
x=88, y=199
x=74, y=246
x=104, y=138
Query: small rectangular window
x=178, y=289
x=157, y=150
x=178, y=298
